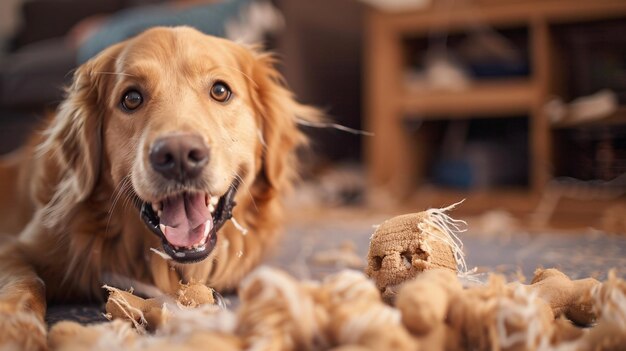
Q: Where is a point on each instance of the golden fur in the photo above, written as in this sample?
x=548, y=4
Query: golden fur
x=69, y=192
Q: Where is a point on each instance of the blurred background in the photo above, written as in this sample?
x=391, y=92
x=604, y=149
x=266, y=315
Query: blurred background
x=516, y=106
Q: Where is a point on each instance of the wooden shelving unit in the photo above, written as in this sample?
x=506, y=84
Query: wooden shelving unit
x=393, y=155
x=484, y=98
x=617, y=118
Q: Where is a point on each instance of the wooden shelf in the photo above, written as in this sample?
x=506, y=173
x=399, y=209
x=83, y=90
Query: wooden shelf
x=396, y=158
x=503, y=14
x=495, y=99
x=617, y=118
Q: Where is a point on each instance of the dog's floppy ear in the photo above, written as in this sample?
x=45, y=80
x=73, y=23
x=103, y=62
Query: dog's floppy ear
x=72, y=143
x=279, y=114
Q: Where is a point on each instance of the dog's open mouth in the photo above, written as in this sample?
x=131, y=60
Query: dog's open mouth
x=187, y=222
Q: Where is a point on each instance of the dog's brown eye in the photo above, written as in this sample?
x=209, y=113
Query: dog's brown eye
x=220, y=92
x=131, y=100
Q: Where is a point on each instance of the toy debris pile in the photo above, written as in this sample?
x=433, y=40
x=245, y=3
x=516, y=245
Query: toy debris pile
x=416, y=295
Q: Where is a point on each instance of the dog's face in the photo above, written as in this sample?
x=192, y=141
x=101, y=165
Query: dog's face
x=180, y=105
x=181, y=120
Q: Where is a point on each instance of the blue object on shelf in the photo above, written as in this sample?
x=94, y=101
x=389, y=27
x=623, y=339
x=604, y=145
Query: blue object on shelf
x=499, y=69
x=453, y=173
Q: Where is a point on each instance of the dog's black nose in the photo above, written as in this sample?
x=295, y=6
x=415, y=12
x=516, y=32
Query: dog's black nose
x=179, y=157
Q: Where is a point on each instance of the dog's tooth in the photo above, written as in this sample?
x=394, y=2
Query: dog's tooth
x=214, y=200
x=211, y=208
x=162, y=227
x=207, y=229
x=159, y=213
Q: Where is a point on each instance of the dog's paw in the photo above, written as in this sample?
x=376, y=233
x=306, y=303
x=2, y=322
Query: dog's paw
x=21, y=330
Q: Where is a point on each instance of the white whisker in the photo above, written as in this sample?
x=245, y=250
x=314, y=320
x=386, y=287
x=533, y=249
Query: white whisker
x=121, y=189
x=236, y=175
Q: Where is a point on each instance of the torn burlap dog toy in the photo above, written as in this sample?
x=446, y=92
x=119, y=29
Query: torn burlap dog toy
x=406, y=245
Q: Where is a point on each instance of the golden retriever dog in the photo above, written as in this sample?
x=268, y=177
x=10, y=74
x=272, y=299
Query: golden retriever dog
x=160, y=140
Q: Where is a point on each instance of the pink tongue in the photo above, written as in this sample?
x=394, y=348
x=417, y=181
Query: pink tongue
x=184, y=217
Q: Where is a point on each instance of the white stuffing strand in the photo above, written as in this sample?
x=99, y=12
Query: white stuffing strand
x=450, y=228
x=333, y=125
x=244, y=231
x=162, y=254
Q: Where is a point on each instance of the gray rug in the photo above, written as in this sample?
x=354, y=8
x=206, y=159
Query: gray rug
x=578, y=255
